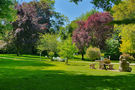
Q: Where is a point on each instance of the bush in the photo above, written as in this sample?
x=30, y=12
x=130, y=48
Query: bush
x=93, y=53
x=51, y=54
x=112, y=49
x=127, y=57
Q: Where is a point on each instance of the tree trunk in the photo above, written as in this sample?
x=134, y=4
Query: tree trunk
x=66, y=61
x=40, y=55
x=82, y=56
x=18, y=52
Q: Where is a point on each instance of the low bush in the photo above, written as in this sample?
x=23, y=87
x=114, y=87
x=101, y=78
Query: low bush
x=93, y=53
x=51, y=54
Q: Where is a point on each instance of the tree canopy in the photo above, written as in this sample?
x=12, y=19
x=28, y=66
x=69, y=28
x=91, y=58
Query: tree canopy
x=126, y=10
x=7, y=13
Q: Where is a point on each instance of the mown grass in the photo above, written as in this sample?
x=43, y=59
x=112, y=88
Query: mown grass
x=27, y=72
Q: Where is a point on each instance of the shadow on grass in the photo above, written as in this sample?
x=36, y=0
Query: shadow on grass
x=12, y=62
x=19, y=79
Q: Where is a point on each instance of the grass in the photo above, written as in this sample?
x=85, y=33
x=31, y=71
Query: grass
x=27, y=72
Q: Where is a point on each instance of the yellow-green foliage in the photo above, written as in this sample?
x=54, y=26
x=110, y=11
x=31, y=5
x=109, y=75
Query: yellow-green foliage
x=51, y=54
x=93, y=53
x=47, y=42
x=128, y=39
x=126, y=10
x=67, y=48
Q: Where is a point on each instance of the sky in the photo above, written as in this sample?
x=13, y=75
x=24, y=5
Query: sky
x=70, y=9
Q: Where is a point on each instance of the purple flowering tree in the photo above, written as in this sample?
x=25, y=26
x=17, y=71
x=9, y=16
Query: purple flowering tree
x=99, y=28
x=81, y=38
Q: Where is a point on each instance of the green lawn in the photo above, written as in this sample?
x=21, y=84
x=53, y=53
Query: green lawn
x=27, y=72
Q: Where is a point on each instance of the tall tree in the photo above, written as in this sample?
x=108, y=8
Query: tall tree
x=47, y=42
x=67, y=49
x=81, y=38
x=125, y=10
x=128, y=39
x=33, y=18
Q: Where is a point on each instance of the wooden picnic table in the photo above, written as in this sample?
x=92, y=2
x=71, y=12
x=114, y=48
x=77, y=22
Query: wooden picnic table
x=105, y=66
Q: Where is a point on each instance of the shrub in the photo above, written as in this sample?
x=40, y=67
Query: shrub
x=127, y=57
x=112, y=48
x=51, y=54
x=93, y=53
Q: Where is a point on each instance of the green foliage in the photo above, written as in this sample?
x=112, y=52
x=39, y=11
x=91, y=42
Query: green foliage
x=58, y=20
x=64, y=33
x=7, y=14
x=127, y=57
x=47, y=42
x=51, y=54
x=128, y=39
x=7, y=10
x=112, y=46
x=93, y=53
x=126, y=10
x=67, y=49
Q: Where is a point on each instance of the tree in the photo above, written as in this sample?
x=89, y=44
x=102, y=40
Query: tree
x=33, y=18
x=128, y=39
x=107, y=6
x=7, y=14
x=81, y=38
x=57, y=21
x=99, y=29
x=47, y=42
x=67, y=49
x=113, y=46
x=73, y=25
x=125, y=10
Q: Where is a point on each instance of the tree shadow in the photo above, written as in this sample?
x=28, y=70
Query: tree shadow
x=19, y=79
x=12, y=62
